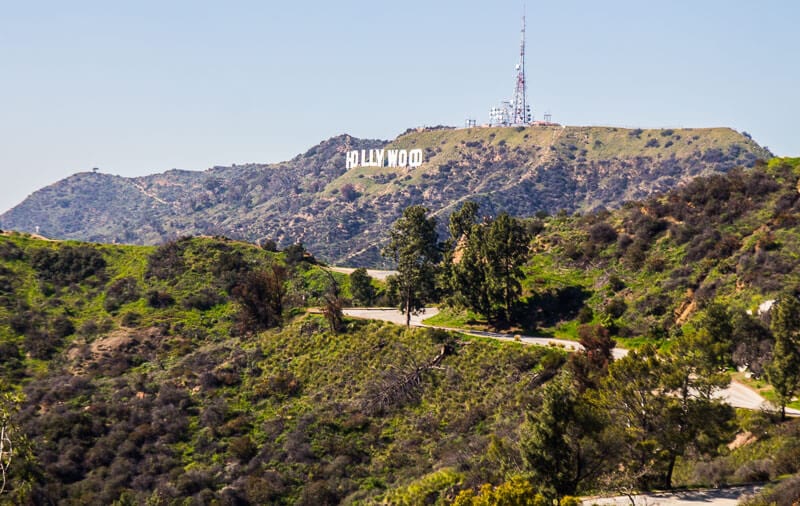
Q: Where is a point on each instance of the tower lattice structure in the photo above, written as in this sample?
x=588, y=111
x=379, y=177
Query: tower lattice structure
x=520, y=110
x=517, y=111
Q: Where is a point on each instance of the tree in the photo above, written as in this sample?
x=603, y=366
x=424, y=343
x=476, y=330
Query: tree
x=469, y=275
x=462, y=221
x=557, y=440
x=783, y=372
x=752, y=343
x=694, y=416
x=332, y=310
x=361, y=287
x=483, y=262
x=660, y=405
x=461, y=226
x=413, y=247
x=260, y=295
x=507, y=251
x=631, y=399
x=717, y=322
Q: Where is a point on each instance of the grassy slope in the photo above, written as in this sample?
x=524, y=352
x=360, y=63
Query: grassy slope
x=179, y=406
x=542, y=144
x=676, y=277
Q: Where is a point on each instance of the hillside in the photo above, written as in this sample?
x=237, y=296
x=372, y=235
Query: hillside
x=651, y=270
x=139, y=383
x=341, y=215
x=196, y=372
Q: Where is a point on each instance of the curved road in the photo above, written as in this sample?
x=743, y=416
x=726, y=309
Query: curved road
x=737, y=394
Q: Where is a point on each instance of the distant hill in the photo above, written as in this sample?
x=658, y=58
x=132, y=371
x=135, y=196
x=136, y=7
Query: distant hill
x=342, y=215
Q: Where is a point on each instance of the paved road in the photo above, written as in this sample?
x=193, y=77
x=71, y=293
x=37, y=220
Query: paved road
x=737, y=394
x=379, y=275
x=717, y=497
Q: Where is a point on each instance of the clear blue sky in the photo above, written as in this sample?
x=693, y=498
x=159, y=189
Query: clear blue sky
x=144, y=86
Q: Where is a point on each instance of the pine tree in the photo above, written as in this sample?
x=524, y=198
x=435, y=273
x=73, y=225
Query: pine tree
x=507, y=245
x=414, y=248
x=783, y=372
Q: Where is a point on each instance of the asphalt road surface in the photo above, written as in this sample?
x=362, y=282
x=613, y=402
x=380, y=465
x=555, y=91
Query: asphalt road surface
x=737, y=394
x=379, y=275
x=717, y=497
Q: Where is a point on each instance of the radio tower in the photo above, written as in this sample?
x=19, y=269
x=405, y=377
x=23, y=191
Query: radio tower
x=520, y=110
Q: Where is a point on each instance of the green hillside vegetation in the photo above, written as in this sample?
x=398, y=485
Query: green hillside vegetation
x=140, y=383
x=342, y=215
x=649, y=268
x=212, y=371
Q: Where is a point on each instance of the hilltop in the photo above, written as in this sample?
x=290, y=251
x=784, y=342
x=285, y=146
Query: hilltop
x=341, y=215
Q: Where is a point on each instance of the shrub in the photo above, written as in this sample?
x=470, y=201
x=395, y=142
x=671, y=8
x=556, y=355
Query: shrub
x=159, y=299
x=68, y=264
x=243, y=448
x=121, y=291
x=602, y=233
x=517, y=490
x=754, y=471
x=10, y=251
x=615, y=283
x=714, y=473
x=349, y=193
x=787, y=458
x=131, y=319
x=615, y=307
x=166, y=261
x=269, y=245
x=297, y=253
x=785, y=493
x=203, y=300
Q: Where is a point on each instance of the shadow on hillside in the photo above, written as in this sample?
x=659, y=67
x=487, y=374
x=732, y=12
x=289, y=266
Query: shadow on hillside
x=546, y=309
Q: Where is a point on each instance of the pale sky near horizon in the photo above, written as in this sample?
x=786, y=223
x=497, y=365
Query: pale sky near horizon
x=135, y=88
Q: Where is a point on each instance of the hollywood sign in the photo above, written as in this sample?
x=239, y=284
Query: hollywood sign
x=383, y=158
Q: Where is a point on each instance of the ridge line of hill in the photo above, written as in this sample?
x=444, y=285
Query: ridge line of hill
x=340, y=213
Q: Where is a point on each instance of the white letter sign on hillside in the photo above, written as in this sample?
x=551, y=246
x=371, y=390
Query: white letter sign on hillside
x=383, y=158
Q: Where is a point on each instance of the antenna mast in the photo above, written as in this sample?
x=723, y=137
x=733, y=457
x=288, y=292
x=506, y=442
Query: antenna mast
x=520, y=110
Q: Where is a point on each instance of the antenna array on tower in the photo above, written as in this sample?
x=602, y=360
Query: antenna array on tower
x=517, y=111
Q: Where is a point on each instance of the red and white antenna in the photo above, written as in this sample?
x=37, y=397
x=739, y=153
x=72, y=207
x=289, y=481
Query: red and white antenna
x=520, y=110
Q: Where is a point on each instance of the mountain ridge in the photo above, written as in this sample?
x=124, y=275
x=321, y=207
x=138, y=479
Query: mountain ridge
x=341, y=214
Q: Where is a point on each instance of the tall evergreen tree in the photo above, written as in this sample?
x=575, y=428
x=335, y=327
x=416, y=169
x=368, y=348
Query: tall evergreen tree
x=783, y=372
x=414, y=247
x=557, y=441
x=461, y=226
x=462, y=221
x=470, y=274
x=507, y=244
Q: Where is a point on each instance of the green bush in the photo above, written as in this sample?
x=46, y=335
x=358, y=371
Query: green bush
x=68, y=264
x=121, y=291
